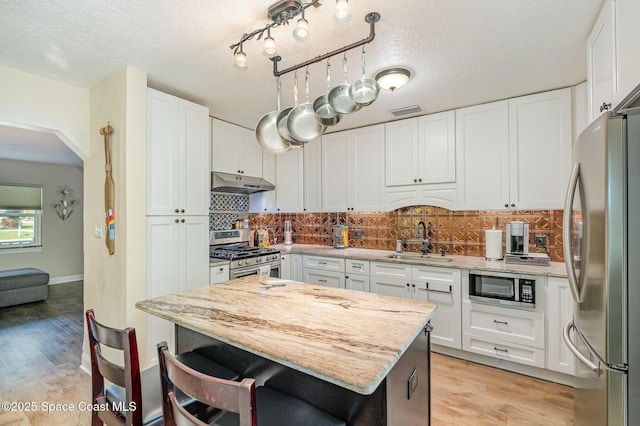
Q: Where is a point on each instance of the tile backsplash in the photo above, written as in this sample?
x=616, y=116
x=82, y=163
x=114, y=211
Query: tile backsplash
x=226, y=208
x=458, y=232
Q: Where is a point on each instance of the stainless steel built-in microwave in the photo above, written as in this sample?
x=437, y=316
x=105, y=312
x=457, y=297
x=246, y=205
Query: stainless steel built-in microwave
x=503, y=288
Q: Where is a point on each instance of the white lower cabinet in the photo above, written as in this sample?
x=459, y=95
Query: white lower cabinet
x=324, y=271
x=295, y=270
x=285, y=266
x=559, y=308
x=504, y=333
x=438, y=285
x=218, y=274
x=357, y=275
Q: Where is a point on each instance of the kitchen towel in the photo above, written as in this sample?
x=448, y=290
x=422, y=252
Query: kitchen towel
x=493, y=244
x=264, y=270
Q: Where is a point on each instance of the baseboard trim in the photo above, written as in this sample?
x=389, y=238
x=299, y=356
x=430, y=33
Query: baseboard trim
x=67, y=279
x=85, y=363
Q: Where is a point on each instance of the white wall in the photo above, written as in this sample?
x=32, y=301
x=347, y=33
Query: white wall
x=114, y=283
x=61, y=255
x=37, y=103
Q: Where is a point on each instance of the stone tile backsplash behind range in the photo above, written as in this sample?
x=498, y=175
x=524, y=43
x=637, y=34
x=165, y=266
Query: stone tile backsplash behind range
x=458, y=232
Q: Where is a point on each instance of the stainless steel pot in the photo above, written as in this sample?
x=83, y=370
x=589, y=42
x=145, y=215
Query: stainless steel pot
x=364, y=91
x=339, y=98
x=301, y=122
x=325, y=114
x=267, y=132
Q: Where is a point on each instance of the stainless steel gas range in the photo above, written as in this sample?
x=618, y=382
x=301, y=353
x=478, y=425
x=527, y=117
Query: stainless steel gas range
x=233, y=245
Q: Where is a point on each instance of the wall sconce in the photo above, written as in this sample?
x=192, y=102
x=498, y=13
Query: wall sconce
x=67, y=203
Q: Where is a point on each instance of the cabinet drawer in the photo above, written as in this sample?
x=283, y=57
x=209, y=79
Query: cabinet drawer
x=218, y=274
x=328, y=278
x=324, y=263
x=504, y=324
x=439, y=278
x=391, y=270
x=355, y=266
x=504, y=351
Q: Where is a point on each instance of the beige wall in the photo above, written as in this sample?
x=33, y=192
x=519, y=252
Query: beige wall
x=38, y=103
x=61, y=255
x=114, y=283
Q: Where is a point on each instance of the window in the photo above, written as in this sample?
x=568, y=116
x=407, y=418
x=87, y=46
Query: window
x=20, y=216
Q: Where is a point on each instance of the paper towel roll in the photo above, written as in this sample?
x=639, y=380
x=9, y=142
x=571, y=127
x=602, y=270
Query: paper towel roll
x=493, y=244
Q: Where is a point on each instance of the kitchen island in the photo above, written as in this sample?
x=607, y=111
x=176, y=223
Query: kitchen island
x=363, y=357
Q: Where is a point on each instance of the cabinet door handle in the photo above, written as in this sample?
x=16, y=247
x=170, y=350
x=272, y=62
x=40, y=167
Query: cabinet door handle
x=322, y=281
x=408, y=285
x=182, y=220
x=177, y=221
x=181, y=210
x=501, y=322
x=322, y=263
x=605, y=106
x=506, y=351
x=439, y=291
x=177, y=211
x=419, y=179
x=513, y=204
x=506, y=204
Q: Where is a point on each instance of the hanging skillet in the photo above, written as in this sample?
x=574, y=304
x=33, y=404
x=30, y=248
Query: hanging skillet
x=339, y=97
x=283, y=117
x=364, y=91
x=301, y=122
x=267, y=132
x=325, y=114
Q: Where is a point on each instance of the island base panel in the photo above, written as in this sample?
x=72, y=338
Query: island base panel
x=388, y=405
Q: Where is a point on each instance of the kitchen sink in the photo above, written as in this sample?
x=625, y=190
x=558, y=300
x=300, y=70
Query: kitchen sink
x=426, y=257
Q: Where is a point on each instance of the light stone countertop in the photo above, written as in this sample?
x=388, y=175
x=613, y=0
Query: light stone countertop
x=348, y=338
x=554, y=269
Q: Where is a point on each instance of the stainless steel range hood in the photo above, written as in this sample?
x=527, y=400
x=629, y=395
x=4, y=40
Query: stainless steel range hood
x=237, y=184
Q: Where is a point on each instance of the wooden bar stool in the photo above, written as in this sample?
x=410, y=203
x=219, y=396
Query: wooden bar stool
x=241, y=402
x=134, y=398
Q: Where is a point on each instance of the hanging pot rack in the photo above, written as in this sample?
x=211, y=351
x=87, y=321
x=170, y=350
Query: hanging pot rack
x=370, y=18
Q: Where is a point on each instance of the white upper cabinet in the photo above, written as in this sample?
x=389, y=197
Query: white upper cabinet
x=265, y=201
x=234, y=150
x=312, y=158
x=515, y=154
x=627, y=19
x=482, y=150
x=178, y=176
x=353, y=170
x=421, y=150
x=613, y=55
x=289, y=181
x=601, y=62
x=539, y=149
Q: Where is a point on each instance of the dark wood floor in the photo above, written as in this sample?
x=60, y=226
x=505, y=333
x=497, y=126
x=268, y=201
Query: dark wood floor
x=41, y=345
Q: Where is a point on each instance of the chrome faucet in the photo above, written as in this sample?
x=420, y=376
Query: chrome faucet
x=424, y=248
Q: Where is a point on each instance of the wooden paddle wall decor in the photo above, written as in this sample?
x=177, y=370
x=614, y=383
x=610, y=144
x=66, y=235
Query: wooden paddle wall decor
x=109, y=193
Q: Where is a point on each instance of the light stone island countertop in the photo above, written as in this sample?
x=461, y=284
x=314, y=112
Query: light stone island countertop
x=348, y=338
x=554, y=269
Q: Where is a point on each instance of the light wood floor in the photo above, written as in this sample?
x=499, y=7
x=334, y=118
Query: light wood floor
x=41, y=343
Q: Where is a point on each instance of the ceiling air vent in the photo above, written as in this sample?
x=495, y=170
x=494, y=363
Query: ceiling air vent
x=406, y=110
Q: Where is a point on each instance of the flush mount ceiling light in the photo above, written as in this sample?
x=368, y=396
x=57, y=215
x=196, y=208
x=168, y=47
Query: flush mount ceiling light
x=393, y=78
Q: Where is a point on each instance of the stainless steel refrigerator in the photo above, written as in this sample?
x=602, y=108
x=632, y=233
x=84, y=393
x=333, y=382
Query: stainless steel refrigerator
x=602, y=254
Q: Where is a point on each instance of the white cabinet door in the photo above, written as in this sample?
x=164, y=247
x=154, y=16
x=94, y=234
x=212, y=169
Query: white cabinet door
x=218, y=274
x=539, y=150
x=296, y=267
x=437, y=148
x=442, y=287
x=285, y=266
x=601, y=61
x=234, y=150
x=265, y=201
x=194, y=251
x=482, y=156
x=289, y=182
x=335, y=170
x=178, y=178
x=401, y=152
x=312, y=159
x=357, y=282
x=365, y=169
x=627, y=19
x=559, y=308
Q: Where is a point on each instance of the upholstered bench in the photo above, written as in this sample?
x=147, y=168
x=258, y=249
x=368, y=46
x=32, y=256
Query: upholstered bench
x=23, y=285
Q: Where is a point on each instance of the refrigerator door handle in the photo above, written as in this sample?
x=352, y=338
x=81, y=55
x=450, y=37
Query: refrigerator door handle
x=575, y=351
x=596, y=367
x=566, y=233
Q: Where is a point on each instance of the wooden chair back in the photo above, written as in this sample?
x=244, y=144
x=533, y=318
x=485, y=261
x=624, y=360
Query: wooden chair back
x=226, y=395
x=126, y=376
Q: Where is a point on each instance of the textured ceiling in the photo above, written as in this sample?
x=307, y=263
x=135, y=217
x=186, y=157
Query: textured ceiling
x=461, y=52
